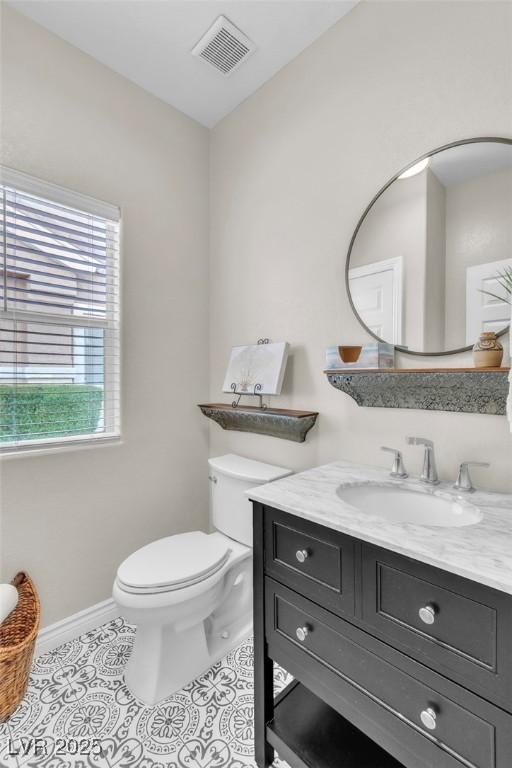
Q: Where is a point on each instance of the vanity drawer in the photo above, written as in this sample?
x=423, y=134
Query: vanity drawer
x=352, y=666
x=314, y=560
x=445, y=621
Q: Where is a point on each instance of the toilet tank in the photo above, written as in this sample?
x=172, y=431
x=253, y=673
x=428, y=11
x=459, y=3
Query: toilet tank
x=230, y=476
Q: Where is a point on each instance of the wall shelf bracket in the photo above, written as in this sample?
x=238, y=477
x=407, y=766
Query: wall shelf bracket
x=463, y=390
x=275, y=422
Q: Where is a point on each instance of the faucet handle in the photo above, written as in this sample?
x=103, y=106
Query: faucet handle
x=419, y=441
x=463, y=482
x=398, y=468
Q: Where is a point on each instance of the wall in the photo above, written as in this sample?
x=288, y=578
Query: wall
x=478, y=230
x=69, y=518
x=435, y=267
x=396, y=227
x=291, y=171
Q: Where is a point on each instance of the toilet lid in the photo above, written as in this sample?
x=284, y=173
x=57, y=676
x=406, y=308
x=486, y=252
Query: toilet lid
x=173, y=562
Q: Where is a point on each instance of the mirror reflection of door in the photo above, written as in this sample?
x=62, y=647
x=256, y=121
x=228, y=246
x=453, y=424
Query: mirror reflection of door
x=485, y=312
x=376, y=289
x=449, y=219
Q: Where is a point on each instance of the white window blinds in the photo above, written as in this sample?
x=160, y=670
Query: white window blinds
x=59, y=315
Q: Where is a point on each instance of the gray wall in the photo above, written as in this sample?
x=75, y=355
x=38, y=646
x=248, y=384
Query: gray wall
x=396, y=226
x=70, y=517
x=435, y=268
x=292, y=170
x=478, y=230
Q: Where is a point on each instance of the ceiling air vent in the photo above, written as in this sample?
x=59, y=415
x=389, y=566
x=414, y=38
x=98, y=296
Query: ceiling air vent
x=224, y=46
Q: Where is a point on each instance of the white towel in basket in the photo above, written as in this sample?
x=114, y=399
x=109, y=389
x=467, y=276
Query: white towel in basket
x=8, y=600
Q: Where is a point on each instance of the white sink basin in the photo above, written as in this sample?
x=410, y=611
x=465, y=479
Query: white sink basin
x=405, y=505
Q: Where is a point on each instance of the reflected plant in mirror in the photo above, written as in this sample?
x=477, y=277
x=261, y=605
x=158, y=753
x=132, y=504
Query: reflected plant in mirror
x=504, y=283
x=429, y=266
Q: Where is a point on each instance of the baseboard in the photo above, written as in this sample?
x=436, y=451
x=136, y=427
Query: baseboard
x=54, y=635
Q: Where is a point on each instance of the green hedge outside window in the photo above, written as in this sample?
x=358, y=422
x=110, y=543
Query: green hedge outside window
x=39, y=411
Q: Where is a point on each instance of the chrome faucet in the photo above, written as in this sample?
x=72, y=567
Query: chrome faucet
x=463, y=482
x=398, y=468
x=429, y=472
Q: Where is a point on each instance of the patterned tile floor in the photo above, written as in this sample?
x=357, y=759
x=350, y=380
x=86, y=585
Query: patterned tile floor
x=77, y=702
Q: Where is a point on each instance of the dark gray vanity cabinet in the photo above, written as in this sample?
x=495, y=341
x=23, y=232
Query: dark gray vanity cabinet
x=395, y=663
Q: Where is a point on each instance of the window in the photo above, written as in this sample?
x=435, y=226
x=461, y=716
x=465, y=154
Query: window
x=59, y=315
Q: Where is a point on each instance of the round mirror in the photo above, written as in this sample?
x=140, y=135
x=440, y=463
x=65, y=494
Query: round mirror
x=429, y=266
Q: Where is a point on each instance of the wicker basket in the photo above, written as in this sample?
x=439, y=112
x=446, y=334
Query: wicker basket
x=17, y=641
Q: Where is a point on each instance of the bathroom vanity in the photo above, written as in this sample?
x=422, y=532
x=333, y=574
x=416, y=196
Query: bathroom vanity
x=398, y=634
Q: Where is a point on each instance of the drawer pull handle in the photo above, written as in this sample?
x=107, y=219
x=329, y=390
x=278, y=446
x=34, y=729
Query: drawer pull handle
x=302, y=555
x=302, y=633
x=428, y=614
x=429, y=718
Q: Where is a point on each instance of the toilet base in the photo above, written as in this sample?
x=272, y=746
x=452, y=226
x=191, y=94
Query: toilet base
x=151, y=673
x=169, y=653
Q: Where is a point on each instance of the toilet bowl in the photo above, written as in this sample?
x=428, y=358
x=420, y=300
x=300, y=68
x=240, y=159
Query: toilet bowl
x=190, y=595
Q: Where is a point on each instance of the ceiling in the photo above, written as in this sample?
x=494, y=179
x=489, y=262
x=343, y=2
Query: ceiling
x=149, y=42
x=470, y=161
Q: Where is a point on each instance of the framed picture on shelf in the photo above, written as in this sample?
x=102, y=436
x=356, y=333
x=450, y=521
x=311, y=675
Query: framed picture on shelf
x=257, y=364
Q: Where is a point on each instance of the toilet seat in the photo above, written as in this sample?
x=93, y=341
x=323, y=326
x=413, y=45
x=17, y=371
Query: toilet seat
x=173, y=563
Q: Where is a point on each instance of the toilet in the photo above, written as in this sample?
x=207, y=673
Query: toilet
x=190, y=595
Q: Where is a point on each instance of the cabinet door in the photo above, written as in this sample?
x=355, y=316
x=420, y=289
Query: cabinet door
x=314, y=560
x=441, y=723
x=449, y=623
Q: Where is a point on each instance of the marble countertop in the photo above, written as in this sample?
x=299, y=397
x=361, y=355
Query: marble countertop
x=481, y=552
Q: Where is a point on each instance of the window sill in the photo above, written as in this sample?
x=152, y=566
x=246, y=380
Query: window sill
x=61, y=447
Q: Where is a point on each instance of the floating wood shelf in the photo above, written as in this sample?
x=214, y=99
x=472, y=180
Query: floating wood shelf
x=464, y=390
x=276, y=422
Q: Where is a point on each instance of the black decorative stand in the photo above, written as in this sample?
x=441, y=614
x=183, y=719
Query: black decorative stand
x=255, y=393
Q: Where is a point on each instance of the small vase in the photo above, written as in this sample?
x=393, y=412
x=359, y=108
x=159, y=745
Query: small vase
x=349, y=354
x=487, y=352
